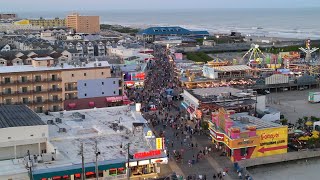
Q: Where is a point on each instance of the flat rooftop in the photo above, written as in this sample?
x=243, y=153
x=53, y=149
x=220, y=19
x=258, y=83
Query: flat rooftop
x=110, y=127
x=66, y=66
x=18, y=115
x=253, y=121
x=216, y=91
x=232, y=68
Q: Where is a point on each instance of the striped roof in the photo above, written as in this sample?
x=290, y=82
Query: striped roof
x=232, y=68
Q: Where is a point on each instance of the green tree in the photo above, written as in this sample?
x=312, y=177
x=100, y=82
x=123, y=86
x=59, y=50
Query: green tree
x=300, y=121
x=305, y=119
x=284, y=121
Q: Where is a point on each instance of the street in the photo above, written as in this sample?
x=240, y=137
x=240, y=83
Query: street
x=191, y=152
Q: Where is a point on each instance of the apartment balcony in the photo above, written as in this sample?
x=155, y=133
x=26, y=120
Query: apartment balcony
x=55, y=100
x=39, y=80
x=8, y=83
x=25, y=92
x=55, y=90
x=71, y=98
x=54, y=79
x=24, y=82
x=40, y=102
x=71, y=88
x=11, y=93
x=26, y=103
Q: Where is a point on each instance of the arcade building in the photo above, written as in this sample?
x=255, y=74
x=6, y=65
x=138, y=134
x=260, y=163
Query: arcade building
x=244, y=137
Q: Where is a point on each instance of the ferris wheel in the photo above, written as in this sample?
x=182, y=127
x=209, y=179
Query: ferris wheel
x=255, y=55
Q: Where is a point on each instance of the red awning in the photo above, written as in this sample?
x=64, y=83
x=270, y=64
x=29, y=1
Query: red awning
x=126, y=102
x=72, y=105
x=91, y=104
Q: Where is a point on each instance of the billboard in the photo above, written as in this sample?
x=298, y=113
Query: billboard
x=272, y=141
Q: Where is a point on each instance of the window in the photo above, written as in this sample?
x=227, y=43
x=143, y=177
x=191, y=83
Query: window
x=7, y=80
x=38, y=88
x=114, y=92
x=31, y=135
x=55, y=97
x=114, y=82
x=102, y=73
x=85, y=74
x=102, y=83
x=8, y=101
x=102, y=92
x=9, y=137
x=8, y=90
x=72, y=75
x=23, y=79
x=25, y=100
x=39, y=99
x=85, y=84
x=24, y=89
x=85, y=94
x=38, y=78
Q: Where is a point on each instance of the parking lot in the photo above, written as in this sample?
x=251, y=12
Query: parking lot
x=294, y=104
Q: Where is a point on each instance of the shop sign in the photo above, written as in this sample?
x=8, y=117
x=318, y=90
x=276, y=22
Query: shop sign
x=149, y=134
x=216, y=135
x=159, y=143
x=244, y=142
x=147, y=154
x=159, y=160
x=274, y=139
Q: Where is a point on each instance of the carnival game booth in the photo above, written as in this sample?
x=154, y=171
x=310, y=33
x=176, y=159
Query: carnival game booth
x=244, y=137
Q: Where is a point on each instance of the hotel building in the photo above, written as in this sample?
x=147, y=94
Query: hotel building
x=83, y=24
x=47, y=86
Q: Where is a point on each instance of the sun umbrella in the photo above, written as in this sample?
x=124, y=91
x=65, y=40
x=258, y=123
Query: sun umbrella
x=309, y=123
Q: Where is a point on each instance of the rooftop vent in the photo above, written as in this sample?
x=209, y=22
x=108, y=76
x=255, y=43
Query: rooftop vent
x=50, y=122
x=62, y=130
x=58, y=120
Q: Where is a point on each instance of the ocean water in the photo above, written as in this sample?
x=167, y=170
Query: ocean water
x=290, y=23
x=298, y=170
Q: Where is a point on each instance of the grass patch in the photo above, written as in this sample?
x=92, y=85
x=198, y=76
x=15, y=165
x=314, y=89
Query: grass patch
x=198, y=57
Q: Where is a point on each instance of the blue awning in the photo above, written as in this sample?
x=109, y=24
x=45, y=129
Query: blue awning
x=184, y=105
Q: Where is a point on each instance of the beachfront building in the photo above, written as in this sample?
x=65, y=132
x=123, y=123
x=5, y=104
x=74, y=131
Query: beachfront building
x=242, y=136
x=197, y=75
x=83, y=24
x=106, y=134
x=196, y=101
x=46, y=85
x=152, y=33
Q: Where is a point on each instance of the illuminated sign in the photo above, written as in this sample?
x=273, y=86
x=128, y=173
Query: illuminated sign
x=216, y=135
x=159, y=143
x=147, y=154
x=149, y=134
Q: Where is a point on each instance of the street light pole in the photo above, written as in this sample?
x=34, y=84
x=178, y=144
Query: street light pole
x=83, y=176
x=97, y=154
x=29, y=164
x=128, y=161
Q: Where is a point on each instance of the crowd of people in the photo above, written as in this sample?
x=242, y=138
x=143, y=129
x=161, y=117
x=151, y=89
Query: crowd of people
x=168, y=119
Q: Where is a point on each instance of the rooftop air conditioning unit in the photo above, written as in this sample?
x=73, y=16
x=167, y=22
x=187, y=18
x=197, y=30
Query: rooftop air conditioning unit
x=50, y=122
x=99, y=64
x=58, y=120
x=61, y=130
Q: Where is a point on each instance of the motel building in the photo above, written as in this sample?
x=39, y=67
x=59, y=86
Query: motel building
x=244, y=137
x=106, y=134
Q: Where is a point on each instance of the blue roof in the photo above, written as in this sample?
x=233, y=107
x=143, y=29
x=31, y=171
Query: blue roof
x=165, y=31
x=200, y=33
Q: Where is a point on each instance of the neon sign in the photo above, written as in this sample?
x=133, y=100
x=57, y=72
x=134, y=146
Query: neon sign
x=151, y=153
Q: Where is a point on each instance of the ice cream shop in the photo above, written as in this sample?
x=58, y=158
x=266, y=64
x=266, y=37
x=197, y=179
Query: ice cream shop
x=242, y=136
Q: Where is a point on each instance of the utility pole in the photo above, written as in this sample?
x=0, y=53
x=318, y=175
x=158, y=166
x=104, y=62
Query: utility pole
x=97, y=154
x=83, y=176
x=29, y=164
x=128, y=161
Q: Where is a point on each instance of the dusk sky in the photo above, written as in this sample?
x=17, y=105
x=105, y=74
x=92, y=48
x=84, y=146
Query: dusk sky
x=70, y=5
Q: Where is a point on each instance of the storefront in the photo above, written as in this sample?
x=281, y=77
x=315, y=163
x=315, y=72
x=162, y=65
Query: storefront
x=246, y=137
x=108, y=168
x=146, y=163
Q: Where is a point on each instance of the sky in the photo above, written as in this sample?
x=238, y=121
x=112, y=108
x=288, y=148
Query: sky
x=82, y=5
